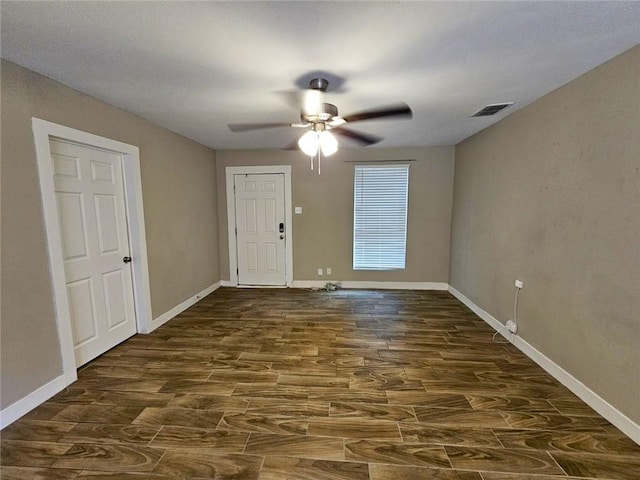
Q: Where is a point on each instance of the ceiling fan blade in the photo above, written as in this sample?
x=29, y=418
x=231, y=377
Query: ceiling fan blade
x=362, y=138
x=397, y=110
x=245, y=127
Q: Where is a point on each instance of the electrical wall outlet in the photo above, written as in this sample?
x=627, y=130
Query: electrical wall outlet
x=328, y=270
x=511, y=326
x=519, y=284
x=320, y=272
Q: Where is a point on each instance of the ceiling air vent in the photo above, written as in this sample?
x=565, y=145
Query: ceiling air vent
x=491, y=109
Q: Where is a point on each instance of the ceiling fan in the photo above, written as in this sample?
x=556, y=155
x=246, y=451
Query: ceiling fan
x=323, y=122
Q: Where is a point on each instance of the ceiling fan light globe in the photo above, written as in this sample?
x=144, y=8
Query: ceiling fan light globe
x=328, y=143
x=309, y=143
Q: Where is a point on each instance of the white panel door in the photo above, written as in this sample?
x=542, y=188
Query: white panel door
x=95, y=247
x=260, y=229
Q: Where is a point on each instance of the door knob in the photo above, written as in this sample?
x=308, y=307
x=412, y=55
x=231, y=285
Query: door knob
x=126, y=259
x=281, y=237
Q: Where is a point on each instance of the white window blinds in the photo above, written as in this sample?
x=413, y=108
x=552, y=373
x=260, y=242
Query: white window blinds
x=380, y=217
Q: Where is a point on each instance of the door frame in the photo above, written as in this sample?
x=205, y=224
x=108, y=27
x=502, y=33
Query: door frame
x=43, y=131
x=231, y=217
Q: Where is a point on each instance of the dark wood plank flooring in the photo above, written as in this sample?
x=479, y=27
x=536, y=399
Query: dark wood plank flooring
x=274, y=384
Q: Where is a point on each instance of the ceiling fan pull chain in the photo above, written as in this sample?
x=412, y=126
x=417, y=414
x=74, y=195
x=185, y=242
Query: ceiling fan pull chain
x=312, y=163
x=319, y=160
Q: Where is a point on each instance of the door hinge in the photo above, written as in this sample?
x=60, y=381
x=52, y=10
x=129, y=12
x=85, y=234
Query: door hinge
x=237, y=271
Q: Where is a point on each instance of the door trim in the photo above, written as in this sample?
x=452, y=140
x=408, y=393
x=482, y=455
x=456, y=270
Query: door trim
x=42, y=132
x=231, y=216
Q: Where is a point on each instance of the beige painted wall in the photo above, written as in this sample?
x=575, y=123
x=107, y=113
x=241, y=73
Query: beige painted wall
x=322, y=235
x=179, y=194
x=551, y=195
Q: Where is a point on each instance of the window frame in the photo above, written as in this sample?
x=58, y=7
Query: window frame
x=385, y=260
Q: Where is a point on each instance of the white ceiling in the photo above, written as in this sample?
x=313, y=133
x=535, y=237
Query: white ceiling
x=193, y=67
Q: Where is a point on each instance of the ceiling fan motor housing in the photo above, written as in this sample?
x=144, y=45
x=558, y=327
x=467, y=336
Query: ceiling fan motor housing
x=319, y=84
x=327, y=113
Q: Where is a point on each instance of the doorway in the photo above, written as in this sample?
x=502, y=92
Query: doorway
x=92, y=201
x=259, y=223
x=89, y=192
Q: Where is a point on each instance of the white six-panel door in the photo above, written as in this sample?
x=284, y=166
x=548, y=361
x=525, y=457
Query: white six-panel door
x=90, y=198
x=261, y=229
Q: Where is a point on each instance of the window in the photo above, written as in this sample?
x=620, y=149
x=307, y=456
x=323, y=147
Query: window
x=380, y=217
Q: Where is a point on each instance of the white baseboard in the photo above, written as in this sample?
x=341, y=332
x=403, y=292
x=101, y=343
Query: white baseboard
x=373, y=285
x=227, y=283
x=591, y=398
x=178, y=309
x=23, y=406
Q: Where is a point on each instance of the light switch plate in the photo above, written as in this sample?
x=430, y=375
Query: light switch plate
x=298, y=210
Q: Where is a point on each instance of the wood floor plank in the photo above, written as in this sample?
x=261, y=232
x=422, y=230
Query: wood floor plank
x=128, y=458
x=375, y=451
x=272, y=406
x=330, y=394
x=278, y=468
x=545, y=421
x=396, y=472
x=502, y=460
x=209, y=402
x=426, y=399
x=101, y=475
x=102, y=433
x=449, y=435
x=617, y=444
x=549, y=440
x=190, y=464
x=243, y=376
x=460, y=417
x=121, y=384
x=510, y=403
x=252, y=422
x=520, y=476
x=27, y=453
x=98, y=414
x=37, y=430
x=75, y=395
x=598, y=466
x=181, y=417
x=323, y=448
x=288, y=392
x=37, y=473
x=134, y=399
x=46, y=411
x=372, y=411
x=355, y=428
x=194, y=386
x=314, y=380
x=185, y=438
